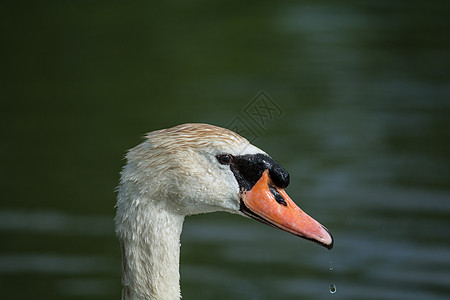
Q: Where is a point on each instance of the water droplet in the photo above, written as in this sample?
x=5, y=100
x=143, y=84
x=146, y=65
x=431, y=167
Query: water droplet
x=332, y=288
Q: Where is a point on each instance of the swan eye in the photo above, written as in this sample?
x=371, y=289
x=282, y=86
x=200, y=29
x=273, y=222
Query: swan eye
x=225, y=159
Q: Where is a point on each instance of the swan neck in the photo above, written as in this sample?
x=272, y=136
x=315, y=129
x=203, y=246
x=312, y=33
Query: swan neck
x=150, y=254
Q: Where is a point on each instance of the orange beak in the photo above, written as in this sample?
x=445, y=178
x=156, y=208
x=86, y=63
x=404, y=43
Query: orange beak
x=272, y=206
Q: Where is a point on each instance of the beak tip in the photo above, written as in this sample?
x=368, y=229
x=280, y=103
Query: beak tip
x=329, y=240
x=330, y=246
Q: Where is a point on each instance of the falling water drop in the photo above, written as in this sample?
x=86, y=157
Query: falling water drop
x=332, y=286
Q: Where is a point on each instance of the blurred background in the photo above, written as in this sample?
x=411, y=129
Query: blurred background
x=362, y=97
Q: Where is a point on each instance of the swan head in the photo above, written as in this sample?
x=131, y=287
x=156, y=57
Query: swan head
x=198, y=168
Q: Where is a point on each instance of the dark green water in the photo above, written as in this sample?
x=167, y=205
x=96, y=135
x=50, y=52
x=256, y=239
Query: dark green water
x=361, y=121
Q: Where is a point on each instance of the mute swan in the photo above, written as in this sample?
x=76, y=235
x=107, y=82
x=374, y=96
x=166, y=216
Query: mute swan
x=192, y=169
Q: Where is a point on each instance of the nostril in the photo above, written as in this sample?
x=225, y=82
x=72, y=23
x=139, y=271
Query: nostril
x=277, y=195
x=279, y=176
